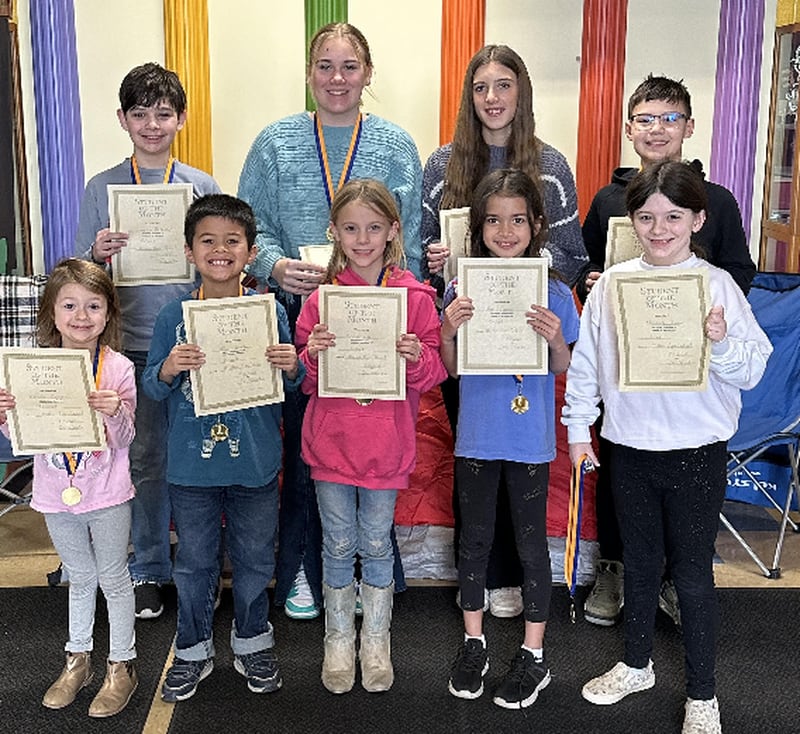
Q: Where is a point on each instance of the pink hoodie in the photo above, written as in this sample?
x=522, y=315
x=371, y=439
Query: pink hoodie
x=371, y=446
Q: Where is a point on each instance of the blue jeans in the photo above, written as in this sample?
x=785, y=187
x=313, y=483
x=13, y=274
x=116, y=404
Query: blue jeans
x=356, y=520
x=150, y=560
x=251, y=517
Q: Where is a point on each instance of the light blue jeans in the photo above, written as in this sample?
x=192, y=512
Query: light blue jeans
x=94, y=549
x=150, y=560
x=356, y=520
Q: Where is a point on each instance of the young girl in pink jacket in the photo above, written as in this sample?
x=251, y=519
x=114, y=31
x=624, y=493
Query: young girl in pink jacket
x=85, y=497
x=361, y=452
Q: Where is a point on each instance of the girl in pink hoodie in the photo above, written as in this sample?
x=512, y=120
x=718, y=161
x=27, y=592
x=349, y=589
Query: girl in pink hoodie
x=361, y=452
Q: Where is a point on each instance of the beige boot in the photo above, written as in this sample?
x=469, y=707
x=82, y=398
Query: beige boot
x=339, y=665
x=118, y=687
x=375, y=652
x=77, y=673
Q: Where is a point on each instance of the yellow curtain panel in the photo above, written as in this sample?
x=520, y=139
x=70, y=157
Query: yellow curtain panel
x=787, y=12
x=186, y=53
x=463, y=24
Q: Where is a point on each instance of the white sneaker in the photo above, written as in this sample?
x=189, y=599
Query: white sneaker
x=702, y=717
x=505, y=602
x=300, y=602
x=617, y=683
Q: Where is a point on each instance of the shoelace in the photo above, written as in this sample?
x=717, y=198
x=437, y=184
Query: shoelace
x=472, y=658
x=605, y=582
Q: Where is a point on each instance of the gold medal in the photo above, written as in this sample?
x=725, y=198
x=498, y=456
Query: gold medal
x=219, y=431
x=71, y=496
x=520, y=404
x=364, y=401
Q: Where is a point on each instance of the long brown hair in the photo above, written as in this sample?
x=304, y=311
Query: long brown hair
x=469, y=159
x=94, y=279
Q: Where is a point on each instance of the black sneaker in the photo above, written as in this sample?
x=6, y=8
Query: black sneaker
x=261, y=670
x=182, y=678
x=148, y=599
x=525, y=678
x=466, y=680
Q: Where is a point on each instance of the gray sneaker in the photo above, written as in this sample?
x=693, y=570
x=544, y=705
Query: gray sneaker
x=701, y=717
x=668, y=602
x=604, y=604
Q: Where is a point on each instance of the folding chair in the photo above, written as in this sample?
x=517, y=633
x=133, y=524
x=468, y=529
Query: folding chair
x=19, y=304
x=763, y=454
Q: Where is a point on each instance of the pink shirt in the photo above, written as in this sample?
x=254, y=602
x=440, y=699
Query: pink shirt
x=103, y=477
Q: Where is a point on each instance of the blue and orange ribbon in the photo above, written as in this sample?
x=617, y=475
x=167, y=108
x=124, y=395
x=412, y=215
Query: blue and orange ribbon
x=169, y=171
x=322, y=153
x=73, y=460
x=573, y=539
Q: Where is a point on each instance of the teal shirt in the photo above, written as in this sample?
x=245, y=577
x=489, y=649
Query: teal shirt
x=282, y=181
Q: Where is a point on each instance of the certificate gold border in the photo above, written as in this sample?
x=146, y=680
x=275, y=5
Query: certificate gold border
x=626, y=314
x=273, y=381
x=621, y=242
x=80, y=378
x=328, y=294
x=183, y=191
x=466, y=345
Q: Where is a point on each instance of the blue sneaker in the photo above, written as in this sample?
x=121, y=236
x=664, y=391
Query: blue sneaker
x=182, y=678
x=261, y=670
x=300, y=601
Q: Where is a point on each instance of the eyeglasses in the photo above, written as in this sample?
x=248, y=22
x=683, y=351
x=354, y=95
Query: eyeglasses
x=667, y=119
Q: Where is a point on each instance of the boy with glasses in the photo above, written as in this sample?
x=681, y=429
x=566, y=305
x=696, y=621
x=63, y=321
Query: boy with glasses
x=659, y=120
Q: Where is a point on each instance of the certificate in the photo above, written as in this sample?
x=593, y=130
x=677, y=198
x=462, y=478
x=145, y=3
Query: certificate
x=364, y=363
x=497, y=339
x=316, y=254
x=234, y=333
x=454, y=226
x=621, y=242
x=153, y=216
x=660, y=329
x=51, y=387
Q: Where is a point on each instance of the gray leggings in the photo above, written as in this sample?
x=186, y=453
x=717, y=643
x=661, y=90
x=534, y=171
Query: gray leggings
x=94, y=549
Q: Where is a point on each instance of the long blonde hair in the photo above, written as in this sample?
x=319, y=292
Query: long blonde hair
x=377, y=197
x=469, y=158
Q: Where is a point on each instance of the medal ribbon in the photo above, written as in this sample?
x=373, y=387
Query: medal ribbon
x=72, y=460
x=573, y=539
x=322, y=153
x=169, y=171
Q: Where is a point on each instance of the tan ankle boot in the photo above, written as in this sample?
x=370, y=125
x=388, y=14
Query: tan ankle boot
x=377, y=673
x=118, y=687
x=77, y=673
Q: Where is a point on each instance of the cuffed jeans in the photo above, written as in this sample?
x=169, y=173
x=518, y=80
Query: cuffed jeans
x=668, y=502
x=251, y=516
x=150, y=560
x=93, y=547
x=356, y=520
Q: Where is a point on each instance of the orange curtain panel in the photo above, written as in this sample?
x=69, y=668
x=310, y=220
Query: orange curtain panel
x=186, y=53
x=463, y=24
x=601, y=104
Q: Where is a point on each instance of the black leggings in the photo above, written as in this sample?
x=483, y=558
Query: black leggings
x=478, y=482
x=668, y=503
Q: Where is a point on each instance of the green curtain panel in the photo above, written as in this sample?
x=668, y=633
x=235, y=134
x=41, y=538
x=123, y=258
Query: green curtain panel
x=318, y=14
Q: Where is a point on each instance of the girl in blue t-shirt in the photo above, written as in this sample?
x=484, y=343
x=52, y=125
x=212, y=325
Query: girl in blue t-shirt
x=506, y=429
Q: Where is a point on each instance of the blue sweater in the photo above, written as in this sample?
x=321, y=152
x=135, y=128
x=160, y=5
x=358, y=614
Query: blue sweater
x=257, y=430
x=281, y=180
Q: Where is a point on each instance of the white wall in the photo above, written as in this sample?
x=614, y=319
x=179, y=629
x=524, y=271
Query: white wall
x=258, y=69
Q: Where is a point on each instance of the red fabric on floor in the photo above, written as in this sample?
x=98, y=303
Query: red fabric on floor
x=428, y=500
